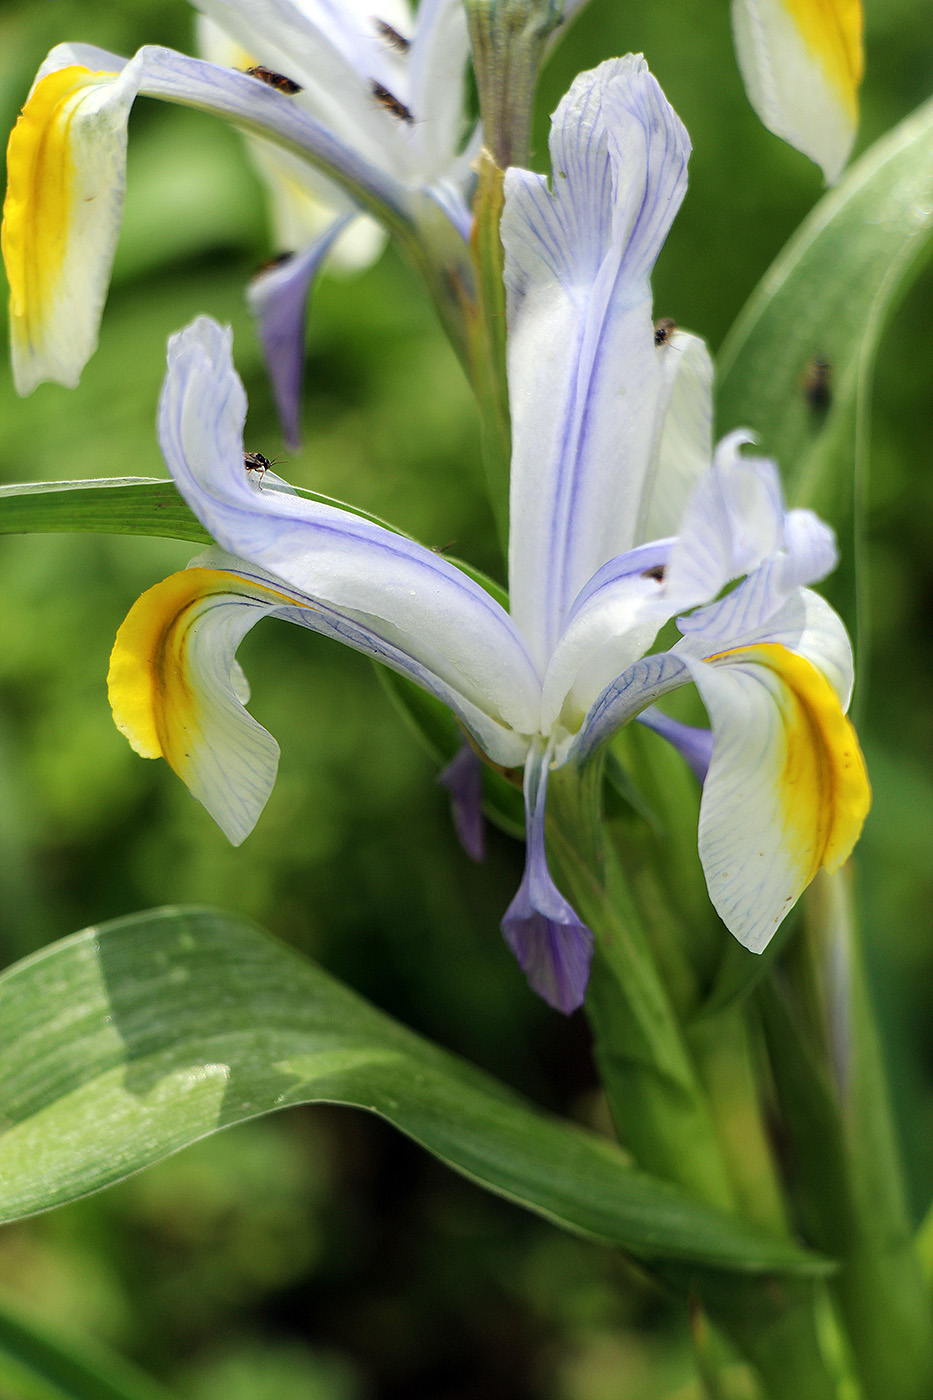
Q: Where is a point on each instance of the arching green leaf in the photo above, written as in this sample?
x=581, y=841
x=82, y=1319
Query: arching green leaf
x=131, y=1040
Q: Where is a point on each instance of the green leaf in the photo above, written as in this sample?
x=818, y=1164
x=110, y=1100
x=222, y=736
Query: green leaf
x=133, y=1039
x=121, y=506
x=111, y=505
x=34, y=1365
x=827, y=298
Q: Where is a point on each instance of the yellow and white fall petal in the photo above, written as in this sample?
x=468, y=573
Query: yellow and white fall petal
x=177, y=692
x=786, y=793
x=802, y=62
x=66, y=172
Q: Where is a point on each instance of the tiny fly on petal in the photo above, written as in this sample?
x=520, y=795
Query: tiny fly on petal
x=256, y=462
x=391, y=103
x=275, y=80
x=392, y=36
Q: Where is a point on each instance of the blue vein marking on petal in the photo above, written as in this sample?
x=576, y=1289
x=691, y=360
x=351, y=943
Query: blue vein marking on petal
x=268, y=516
x=609, y=294
x=634, y=561
x=638, y=686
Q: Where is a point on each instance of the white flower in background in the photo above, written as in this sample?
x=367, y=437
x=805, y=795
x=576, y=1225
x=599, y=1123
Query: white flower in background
x=621, y=519
x=334, y=92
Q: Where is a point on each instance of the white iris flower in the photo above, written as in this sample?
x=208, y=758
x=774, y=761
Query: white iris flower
x=325, y=88
x=622, y=518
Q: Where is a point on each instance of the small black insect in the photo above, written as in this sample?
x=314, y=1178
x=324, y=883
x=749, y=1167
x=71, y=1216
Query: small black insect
x=655, y=572
x=385, y=99
x=663, y=330
x=256, y=462
x=275, y=80
x=817, y=384
x=392, y=36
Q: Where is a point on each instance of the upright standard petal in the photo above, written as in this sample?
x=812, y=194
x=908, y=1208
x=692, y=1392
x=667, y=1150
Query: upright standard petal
x=786, y=793
x=584, y=380
x=66, y=176
x=802, y=62
x=554, y=949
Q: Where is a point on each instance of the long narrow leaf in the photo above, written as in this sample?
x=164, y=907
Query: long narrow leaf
x=798, y=365
x=128, y=1041
x=826, y=299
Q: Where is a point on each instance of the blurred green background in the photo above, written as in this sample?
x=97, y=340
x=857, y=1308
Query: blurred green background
x=316, y=1255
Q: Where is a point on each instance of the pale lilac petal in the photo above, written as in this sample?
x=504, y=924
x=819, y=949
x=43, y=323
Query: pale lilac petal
x=694, y=744
x=585, y=381
x=463, y=779
x=804, y=624
x=554, y=949
x=412, y=597
x=639, y=686
x=278, y=299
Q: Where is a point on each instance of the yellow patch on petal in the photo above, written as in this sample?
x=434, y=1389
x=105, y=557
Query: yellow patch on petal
x=832, y=32
x=824, y=784
x=154, y=697
x=39, y=207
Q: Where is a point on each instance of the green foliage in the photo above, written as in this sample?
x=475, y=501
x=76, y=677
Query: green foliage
x=135, y=1038
x=36, y=1366
x=797, y=367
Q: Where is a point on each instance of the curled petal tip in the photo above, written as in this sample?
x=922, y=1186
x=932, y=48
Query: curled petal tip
x=554, y=949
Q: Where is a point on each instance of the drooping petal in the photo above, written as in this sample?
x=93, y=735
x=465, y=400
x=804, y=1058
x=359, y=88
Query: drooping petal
x=554, y=949
x=584, y=378
x=463, y=779
x=786, y=793
x=176, y=691
x=278, y=299
x=411, y=597
x=66, y=168
x=804, y=624
x=359, y=80
x=332, y=51
x=802, y=62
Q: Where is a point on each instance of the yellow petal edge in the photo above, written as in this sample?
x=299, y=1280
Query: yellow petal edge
x=37, y=211
x=154, y=699
x=832, y=31
x=824, y=785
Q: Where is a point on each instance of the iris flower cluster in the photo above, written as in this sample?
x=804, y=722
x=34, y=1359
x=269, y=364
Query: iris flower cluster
x=623, y=518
